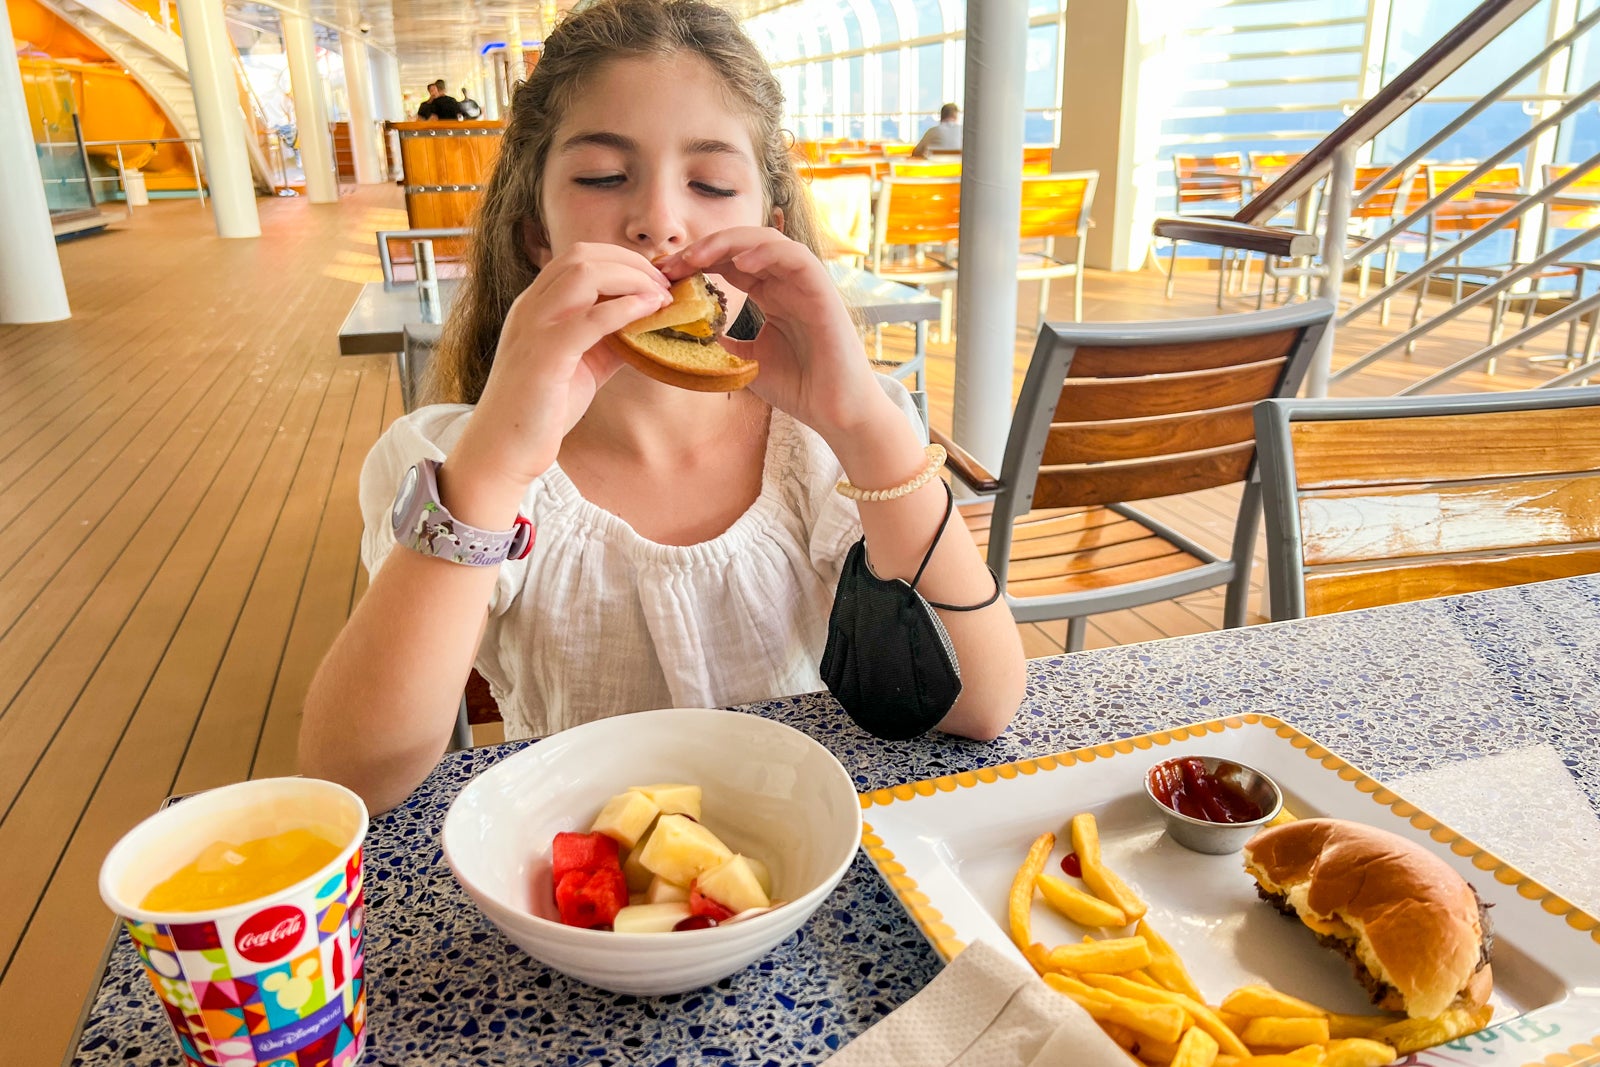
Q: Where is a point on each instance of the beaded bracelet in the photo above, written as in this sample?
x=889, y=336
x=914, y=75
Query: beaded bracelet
x=935, y=454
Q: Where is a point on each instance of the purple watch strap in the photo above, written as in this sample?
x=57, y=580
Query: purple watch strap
x=424, y=525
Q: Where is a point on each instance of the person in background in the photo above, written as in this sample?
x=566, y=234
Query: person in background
x=440, y=105
x=945, y=137
x=688, y=544
x=425, y=111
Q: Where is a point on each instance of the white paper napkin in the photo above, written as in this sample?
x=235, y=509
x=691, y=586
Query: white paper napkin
x=984, y=1010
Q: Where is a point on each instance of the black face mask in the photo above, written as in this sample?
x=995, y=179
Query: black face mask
x=889, y=661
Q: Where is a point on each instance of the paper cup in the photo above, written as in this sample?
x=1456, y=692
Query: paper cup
x=277, y=980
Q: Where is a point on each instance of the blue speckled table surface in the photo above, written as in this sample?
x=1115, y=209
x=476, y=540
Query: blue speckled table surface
x=1394, y=691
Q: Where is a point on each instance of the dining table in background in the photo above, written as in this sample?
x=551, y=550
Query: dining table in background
x=1485, y=708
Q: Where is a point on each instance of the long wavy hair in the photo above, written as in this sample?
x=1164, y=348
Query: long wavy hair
x=497, y=254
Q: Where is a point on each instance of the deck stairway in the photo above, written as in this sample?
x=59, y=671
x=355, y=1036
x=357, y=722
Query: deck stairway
x=155, y=57
x=1319, y=188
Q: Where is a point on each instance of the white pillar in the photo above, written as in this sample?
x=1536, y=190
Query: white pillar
x=363, y=128
x=310, y=105
x=216, y=104
x=991, y=212
x=514, y=49
x=31, y=289
x=491, y=91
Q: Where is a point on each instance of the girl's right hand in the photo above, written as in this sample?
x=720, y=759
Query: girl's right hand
x=552, y=359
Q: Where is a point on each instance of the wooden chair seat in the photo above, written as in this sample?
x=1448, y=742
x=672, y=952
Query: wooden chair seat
x=1062, y=551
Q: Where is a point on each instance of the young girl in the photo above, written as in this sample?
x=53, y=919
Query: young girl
x=686, y=545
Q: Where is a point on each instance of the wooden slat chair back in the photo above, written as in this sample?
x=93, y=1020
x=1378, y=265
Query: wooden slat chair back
x=1112, y=413
x=1196, y=188
x=1374, y=502
x=1573, y=218
x=1055, y=208
x=1037, y=159
x=1465, y=212
x=844, y=208
x=913, y=213
x=821, y=171
x=1267, y=166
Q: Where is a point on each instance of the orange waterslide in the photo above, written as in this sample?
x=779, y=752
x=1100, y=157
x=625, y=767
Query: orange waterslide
x=65, y=73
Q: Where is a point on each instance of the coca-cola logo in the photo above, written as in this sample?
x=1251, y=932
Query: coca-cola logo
x=270, y=934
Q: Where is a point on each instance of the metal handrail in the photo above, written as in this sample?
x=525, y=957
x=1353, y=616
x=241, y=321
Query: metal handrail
x=194, y=158
x=1574, y=310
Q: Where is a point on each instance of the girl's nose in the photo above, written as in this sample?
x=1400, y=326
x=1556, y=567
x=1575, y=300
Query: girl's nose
x=655, y=224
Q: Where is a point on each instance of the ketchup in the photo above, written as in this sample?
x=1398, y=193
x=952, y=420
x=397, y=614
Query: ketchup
x=1185, y=786
x=1071, y=866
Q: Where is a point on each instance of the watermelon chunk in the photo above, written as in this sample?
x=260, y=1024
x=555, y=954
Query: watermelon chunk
x=591, y=898
x=700, y=904
x=582, y=852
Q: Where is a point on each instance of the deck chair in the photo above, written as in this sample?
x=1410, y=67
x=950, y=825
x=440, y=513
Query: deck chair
x=913, y=215
x=1116, y=412
x=1373, y=502
x=1055, y=207
x=1213, y=187
x=844, y=209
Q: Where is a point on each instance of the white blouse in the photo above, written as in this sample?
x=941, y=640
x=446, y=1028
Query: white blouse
x=597, y=621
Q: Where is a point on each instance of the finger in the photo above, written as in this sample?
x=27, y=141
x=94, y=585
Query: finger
x=719, y=248
x=576, y=287
x=609, y=316
x=586, y=250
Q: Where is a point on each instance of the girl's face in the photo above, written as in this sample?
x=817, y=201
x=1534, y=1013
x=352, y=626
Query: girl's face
x=650, y=157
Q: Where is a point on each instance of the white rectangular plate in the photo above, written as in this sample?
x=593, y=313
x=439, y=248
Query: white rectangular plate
x=949, y=848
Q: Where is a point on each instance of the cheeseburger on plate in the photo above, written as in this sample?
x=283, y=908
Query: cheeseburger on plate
x=1414, y=931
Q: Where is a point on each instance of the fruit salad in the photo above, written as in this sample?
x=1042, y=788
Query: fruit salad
x=648, y=866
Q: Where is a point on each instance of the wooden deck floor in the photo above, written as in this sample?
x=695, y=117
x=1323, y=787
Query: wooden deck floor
x=178, y=485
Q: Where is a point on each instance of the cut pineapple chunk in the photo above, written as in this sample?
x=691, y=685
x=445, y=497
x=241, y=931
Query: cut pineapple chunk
x=674, y=799
x=649, y=918
x=734, y=885
x=626, y=817
x=680, y=849
x=763, y=876
x=662, y=891
x=637, y=874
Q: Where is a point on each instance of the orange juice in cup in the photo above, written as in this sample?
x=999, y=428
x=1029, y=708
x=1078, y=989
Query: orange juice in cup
x=245, y=904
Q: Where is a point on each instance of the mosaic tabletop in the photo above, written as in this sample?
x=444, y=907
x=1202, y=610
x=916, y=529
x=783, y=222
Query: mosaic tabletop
x=1398, y=691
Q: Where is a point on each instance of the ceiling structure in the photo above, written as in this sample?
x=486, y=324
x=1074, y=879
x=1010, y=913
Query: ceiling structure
x=443, y=38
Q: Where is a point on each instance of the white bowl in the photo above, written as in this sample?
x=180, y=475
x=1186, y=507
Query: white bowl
x=769, y=791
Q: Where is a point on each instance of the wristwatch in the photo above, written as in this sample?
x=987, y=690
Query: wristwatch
x=423, y=525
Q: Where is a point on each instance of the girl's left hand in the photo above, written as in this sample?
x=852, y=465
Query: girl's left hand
x=813, y=365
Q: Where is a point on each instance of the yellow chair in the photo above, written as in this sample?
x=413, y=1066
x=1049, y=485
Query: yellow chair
x=1211, y=187
x=921, y=168
x=1056, y=207
x=844, y=208
x=912, y=215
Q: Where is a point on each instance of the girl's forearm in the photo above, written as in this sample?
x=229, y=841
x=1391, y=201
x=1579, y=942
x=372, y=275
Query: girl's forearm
x=381, y=708
x=898, y=532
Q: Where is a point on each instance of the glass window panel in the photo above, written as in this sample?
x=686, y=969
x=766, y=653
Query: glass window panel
x=930, y=19
x=1039, y=127
x=928, y=62
x=1248, y=39
x=889, y=78
x=888, y=24
x=852, y=25
x=1413, y=28
x=1283, y=93
x=858, y=98
x=1045, y=7
x=1479, y=139
x=1249, y=127
x=1345, y=64
x=1040, y=87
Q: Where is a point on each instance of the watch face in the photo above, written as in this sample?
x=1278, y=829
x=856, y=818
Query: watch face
x=403, y=498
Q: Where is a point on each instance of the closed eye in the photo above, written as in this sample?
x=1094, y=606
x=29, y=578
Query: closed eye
x=714, y=190
x=602, y=182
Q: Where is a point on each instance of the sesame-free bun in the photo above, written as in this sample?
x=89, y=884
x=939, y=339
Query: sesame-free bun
x=677, y=345
x=1391, y=906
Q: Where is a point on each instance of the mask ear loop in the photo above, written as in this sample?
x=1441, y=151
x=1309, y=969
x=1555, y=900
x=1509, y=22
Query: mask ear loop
x=949, y=509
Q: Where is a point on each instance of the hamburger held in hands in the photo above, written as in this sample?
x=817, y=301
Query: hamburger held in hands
x=678, y=344
x=1414, y=931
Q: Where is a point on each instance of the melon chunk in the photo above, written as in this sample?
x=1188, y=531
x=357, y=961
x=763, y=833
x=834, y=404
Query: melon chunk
x=662, y=891
x=626, y=817
x=649, y=918
x=674, y=799
x=679, y=849
x=734, y=885
x=636, y=874
x=763, y=876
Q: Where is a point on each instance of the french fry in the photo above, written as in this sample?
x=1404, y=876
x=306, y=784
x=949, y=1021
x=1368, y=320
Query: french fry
x=1164, y=1022
x=1414, y=1035
x=1227, y=1040
x=1156, y=1052
x=1284, y=815
x=1257, y=1000
x=1358, y=1052
x=1275, y=1060
x=1351, y=1026
x=1096, y=875
x=1275, y=1032
x=1111, y=955
x=1307, y=1053
x=1166, y=966
x=1019, y=908
x=1142, y=977
x=1233, y=1021
x=1197, y=1049
x=1077, y=905
x=1127, y=987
